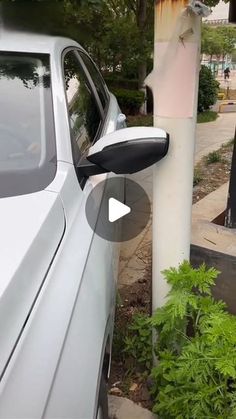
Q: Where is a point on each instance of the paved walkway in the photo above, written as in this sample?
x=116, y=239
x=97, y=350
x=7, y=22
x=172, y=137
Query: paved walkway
x=231, y=83
x=211, y=135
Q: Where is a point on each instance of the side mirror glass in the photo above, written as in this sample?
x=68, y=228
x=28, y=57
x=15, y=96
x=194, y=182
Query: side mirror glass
x=126, y=151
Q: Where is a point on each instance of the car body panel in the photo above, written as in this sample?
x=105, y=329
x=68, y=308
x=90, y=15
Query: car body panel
x=54, y=355
x=30, y=42
x=31, y=229
x=58, y=358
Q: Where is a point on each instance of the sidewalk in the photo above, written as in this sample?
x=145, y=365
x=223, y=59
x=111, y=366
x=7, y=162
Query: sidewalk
x=231, y=82
x=211, y=135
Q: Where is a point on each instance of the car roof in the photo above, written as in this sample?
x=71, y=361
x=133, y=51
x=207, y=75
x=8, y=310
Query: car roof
x=31, y=42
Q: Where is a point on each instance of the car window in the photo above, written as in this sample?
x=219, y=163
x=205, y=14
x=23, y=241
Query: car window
x=84, y=114
x=27, y=140
x=97, y=79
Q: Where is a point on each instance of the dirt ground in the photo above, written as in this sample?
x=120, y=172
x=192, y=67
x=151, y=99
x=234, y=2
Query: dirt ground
x=125, y=380
x=211, y=176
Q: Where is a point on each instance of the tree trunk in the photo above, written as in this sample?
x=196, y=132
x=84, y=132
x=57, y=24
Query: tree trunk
x=142, y=67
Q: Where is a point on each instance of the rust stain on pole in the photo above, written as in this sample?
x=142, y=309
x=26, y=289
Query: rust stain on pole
x=173, y=5
x=172, y=2
x=166, y=14
x=175, y=59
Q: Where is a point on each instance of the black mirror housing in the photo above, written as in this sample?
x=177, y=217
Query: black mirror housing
x=131, y=156
x=125, y=151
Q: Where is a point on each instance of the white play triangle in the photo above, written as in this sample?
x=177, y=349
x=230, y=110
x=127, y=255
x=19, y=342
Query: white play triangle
x=116, y=209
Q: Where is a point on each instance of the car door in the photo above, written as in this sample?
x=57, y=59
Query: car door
x=92, y=112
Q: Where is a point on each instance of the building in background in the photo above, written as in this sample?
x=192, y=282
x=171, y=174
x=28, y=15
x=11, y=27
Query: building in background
x=219, y=15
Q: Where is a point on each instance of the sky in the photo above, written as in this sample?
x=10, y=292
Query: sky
x=220, y=12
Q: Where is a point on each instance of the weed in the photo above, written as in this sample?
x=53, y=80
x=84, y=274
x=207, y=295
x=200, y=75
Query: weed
x=119, y=301
x=213, y=157
x=138, y=342
x=197, y=178
x=196, y=349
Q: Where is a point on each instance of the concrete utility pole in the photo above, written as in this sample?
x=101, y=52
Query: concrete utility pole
x=174, y=82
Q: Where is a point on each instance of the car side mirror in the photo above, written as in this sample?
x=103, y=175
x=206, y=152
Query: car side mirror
x=125, y=151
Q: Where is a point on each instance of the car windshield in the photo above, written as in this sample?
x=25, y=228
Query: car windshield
x=27, y=143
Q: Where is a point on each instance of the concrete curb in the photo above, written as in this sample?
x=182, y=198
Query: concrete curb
x=122, y=408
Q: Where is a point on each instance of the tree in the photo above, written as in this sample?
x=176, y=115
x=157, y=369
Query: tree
x=227, y=34
x=118, y=33
x=127, y=30
x=218, y=41
x=211, y=42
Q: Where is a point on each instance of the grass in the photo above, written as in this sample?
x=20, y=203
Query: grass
x=213, y=157
x=207, y=116
x=147, y=120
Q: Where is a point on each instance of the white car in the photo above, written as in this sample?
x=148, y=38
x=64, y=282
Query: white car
x=59, y=137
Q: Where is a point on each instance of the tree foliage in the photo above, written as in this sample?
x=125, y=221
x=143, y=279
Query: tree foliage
x=118, y=33
x=227, y=34
x=219, y=40
x=211, y=42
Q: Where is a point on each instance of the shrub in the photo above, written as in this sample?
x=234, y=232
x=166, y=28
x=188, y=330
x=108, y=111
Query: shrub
x=195, y=376
x=115, y=82
x=208, y=89
x=130, y=101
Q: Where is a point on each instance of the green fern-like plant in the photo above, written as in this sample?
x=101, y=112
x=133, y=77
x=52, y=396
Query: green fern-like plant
x=195, y=376
x=138, y=342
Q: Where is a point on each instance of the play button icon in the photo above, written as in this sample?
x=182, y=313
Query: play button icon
x=116, y=210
